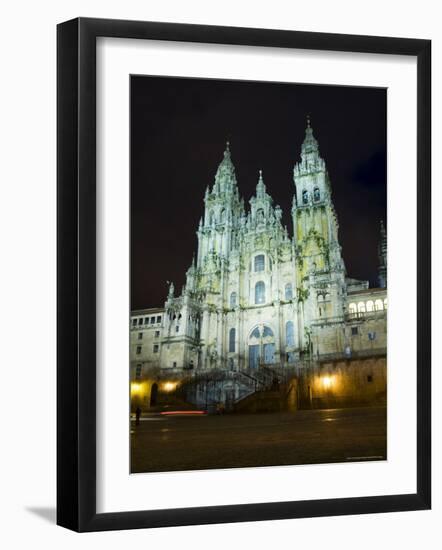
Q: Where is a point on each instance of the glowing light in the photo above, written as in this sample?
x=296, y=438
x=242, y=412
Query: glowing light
x=327, y=382
x=135, y=387
x=169, y=386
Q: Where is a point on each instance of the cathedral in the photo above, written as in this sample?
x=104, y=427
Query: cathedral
x=257, y=296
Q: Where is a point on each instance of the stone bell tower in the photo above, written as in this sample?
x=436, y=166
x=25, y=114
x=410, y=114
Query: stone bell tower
x=221, y=213
x=319, y=265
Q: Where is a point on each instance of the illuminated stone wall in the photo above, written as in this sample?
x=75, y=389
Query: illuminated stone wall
x=344, y=383
x=150, y=388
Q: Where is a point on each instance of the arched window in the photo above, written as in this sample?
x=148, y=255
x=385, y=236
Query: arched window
x=361, y=307
x=289, y=334
x=267, y=332
x=316, y=194
x=232, y=333
x=233, y=299
x=378, y=305
x=260, y=215
x=304, y=197
x=288, y=291
x=259, y=262
x=211, y=218
x=352, y=309
x=255, y=333
x=222, y=216
x=370, y=305
x=260, y=293
x=385, y=303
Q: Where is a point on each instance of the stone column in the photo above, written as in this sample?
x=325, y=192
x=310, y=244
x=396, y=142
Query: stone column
x=205, y=327
x=219, y=338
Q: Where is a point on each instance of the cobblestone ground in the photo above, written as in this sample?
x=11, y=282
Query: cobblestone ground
x=229, y=441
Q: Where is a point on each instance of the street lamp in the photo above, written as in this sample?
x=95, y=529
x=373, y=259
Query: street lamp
x=169, y=386
x=135, y=388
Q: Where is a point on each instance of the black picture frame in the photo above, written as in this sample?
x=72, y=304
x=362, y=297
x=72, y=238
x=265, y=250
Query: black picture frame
x=76, y=274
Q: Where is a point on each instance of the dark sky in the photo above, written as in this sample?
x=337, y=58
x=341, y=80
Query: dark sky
x=179, y=127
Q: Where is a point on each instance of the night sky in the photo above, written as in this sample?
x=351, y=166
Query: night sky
x=179, y=127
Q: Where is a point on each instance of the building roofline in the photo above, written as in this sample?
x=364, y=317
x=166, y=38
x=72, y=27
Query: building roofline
x=146, y=311
x=366, y=290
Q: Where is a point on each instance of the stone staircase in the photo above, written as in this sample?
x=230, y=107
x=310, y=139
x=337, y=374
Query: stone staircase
x=229, y=389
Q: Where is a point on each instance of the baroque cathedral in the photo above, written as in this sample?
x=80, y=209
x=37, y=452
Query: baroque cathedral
x=256, y=296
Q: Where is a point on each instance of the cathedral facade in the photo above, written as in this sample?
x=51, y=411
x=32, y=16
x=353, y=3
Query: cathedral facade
x=257, y=296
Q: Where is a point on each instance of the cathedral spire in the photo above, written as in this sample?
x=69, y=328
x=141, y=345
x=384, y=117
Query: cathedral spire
x=310, y=144
x=225, y=175
x=311, y=162
x=260, y=187
x=383, y=233
x=227, y=156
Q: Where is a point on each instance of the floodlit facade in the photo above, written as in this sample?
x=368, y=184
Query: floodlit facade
x=257, y=296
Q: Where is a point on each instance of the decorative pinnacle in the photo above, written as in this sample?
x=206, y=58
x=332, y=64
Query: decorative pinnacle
x=383, y=232
x=227, y=151
x=260, y=187
x=310, y=144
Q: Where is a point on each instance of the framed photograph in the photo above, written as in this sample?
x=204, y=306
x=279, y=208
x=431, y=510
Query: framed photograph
x=243, y=274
